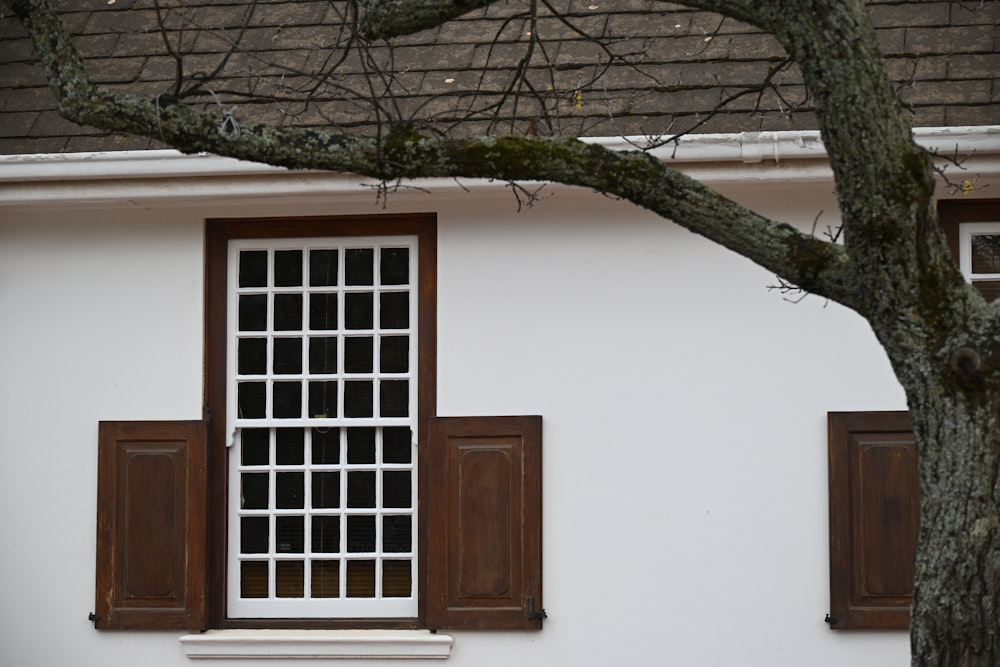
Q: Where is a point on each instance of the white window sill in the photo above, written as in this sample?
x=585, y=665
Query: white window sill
x=232, y=644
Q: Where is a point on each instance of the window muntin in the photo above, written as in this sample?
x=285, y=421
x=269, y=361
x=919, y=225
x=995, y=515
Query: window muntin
x=979, y=256
x=322, y=406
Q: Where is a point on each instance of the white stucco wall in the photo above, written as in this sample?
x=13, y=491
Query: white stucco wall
x=685, y=481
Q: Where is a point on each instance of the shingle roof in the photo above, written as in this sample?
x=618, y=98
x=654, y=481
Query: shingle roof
x=660, y=68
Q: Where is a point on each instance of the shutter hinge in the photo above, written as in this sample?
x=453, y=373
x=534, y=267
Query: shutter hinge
x=831, y=620
x=532, y=614
x=94, y=618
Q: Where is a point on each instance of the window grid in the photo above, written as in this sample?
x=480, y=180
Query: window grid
x=282, y=565
x=979, y=251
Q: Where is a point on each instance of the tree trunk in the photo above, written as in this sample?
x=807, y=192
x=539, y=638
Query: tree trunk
x=954, y=619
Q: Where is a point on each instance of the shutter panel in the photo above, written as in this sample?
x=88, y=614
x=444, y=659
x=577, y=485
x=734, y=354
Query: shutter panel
x=151, y=491
x=874, y=519
x=484, y=549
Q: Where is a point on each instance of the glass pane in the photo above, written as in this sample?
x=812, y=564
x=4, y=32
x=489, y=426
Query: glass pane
x=326, y=578
x=253, y=535
x=396, y=488
x=359, y=311
x=360, y=534
x=396, y=578
x=358, y=354
x=397, y=534
x=253, y=491
x=322, y=355
x=359, y=266
x=289, y=578
x=986, y=253
x=358, y=398
x=252, y=314
x=287, y=399
x=395, y=267
x=394, y=310
x=290, y=445
x=253, y=268
x=394, y=398
x=361, y=488
x=322, y=312
x=325, y=489
x=394, y=355
x=291, y=534
x=250, y=399
x=322, y=267
x=254, y=443
x=361, y=445
x=326, y=445
x=253, y=579
x=396, y=445
x=360, y=578
x=289, y=490
x=326, y=534
x=287, y=356
x=251, y=356
x=287, y=268
x=323, y=399
x=287, y=312
x=990, y=289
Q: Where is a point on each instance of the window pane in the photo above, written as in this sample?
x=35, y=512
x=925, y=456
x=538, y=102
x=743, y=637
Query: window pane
x=358, y=401
x=253, y=579
x=359, y=266
x=396, y=488
x=254, y=442
x=288, y=268
x=358, y=354
x=361, y=488
x=986, y=253
x=250, y=399
x=287, y=356
x=359, y=311
x=322, y=267
x=394, y=310
x=326, y=445
x=323, y=399
x=325, y=490
x=287, y=399
x=253, y=268
x=289, y=490
x=253, y=491
x=289, y=446
x=360, y=578
x=253, y=535
x=396, y=576
x=287, y=312
x=361, y=445
x=322, y=355
x=251, y=356
x=291, y=534
x=252, y=314
x=322, y=312
x=394, y=356
x=395, y=267
x=289, y=578
x=394, y=398
x=397, y=534
x=326, y=534
x=396, y=445
x=326, y=578
x=360, y=534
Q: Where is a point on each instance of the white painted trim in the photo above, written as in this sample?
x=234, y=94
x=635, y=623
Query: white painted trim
x=169, y=176
x=345, y=644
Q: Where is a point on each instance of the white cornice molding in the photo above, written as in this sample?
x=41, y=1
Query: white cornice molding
x=745, y=157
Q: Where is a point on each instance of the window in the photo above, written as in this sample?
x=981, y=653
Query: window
x=973, y=232
x=321, y=491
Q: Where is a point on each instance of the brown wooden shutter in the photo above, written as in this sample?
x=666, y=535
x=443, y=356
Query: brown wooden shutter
x=151, y=490
x=484, y=551
x=874, y=519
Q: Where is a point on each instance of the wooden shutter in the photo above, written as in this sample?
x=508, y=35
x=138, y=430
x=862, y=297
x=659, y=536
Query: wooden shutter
x=484, y=551
x=874, y=519
x=151, y=525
